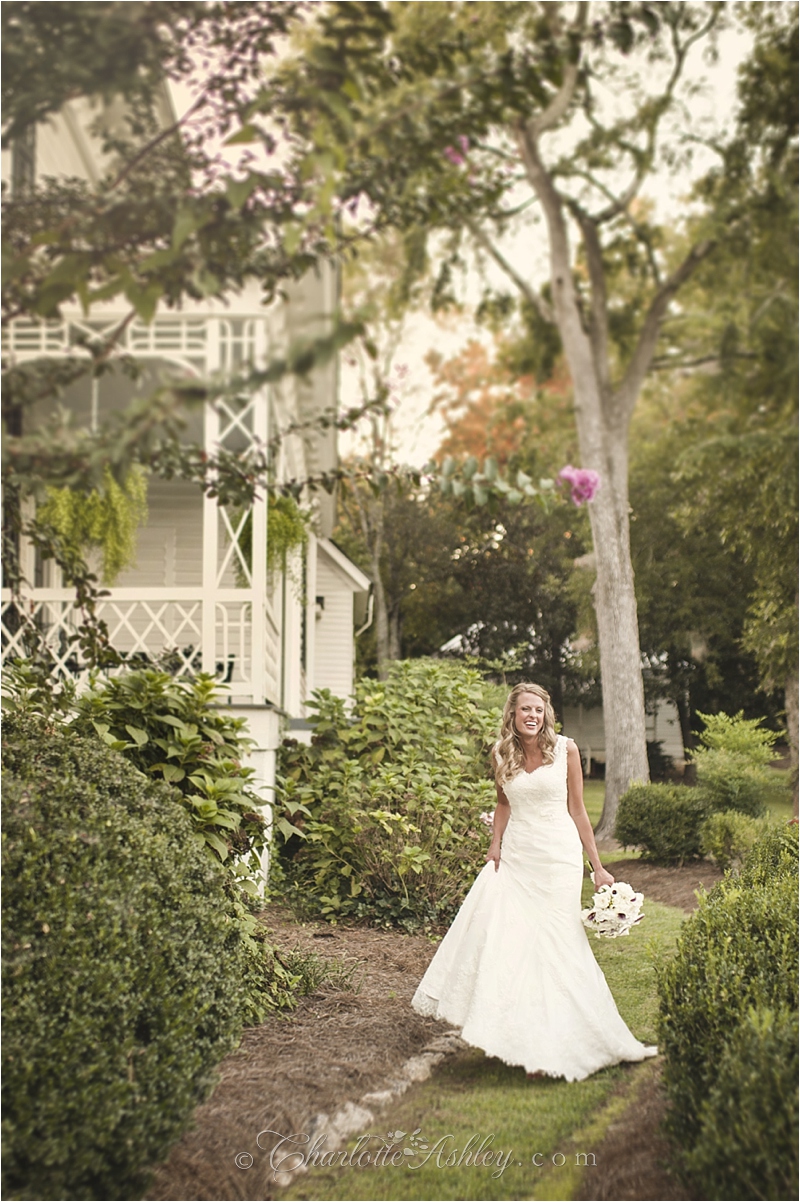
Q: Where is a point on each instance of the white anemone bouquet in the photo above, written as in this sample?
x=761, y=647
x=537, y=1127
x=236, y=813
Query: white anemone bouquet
x=615, y=909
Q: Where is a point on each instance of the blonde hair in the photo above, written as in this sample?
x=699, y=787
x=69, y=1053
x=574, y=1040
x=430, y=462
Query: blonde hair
x=508, y=754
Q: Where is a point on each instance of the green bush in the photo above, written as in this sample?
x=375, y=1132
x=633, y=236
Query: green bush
x=736, y=955
x=663, y=820
x=125, y=971
x=747, y=1142
x=381, y=810
x=774, y=855
x=732, y=765
x=727, y=836
x=170, y=729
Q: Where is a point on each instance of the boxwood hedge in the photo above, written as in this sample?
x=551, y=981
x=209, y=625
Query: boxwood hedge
x=663, y=820
x=122, y=968
x=727, y=1027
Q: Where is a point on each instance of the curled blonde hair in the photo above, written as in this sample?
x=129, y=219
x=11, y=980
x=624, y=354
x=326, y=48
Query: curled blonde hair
x=509, y=756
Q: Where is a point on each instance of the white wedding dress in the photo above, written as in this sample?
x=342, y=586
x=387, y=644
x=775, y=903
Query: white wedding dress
x=515, y=970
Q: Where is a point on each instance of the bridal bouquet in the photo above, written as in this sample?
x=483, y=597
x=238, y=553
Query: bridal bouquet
x=615, y=909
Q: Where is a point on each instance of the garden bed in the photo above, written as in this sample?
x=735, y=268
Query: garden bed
x=336, y=1046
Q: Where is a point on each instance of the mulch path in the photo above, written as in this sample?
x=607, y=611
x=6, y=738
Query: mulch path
x=670, y=886
x=633, y=1159
x=338, y=1045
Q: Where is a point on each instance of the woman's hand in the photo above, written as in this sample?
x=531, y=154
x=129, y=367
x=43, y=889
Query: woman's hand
x=493, y=855
x=602, y=877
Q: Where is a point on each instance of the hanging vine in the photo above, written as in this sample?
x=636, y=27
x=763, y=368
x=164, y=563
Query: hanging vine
x=107, y=518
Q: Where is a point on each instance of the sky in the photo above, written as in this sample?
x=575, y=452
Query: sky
x=418, y=433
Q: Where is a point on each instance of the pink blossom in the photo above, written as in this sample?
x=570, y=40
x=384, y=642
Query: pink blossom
x=458, y=157
x=455, y=158
x=584, y=482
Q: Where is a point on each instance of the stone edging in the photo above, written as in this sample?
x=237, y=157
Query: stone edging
x=355, y=1117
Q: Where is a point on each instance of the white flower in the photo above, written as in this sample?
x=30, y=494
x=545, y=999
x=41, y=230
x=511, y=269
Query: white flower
x=615, y=909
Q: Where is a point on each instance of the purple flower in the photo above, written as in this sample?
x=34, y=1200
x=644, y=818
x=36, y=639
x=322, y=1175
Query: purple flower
x=458, y=157
x=583, y=481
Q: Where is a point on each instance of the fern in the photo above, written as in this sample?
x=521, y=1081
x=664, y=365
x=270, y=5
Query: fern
x=107, y=518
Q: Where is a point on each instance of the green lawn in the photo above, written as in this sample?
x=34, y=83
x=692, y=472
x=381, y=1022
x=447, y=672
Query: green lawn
x=472, y=1099
x=594, y=792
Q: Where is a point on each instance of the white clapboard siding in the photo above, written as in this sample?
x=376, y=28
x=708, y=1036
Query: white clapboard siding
x=169, y=549
x=338, y=584
x=334, y=643
x=586, y=727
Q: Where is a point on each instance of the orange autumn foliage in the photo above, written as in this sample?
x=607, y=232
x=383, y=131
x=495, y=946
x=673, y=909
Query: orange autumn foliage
x=490, y=412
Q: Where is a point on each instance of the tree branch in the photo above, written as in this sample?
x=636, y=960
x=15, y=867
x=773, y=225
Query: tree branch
x=598, y=329
x=539, y=303
x=642, y=356
x=558, y=106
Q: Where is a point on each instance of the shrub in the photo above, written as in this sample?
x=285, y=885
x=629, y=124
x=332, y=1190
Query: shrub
x=388, y=798
x=736, y=957
x=124, y=971
x=733, y=763
x=727, y=836
x=747, y=1133
x=663, y=820
x=171, y=730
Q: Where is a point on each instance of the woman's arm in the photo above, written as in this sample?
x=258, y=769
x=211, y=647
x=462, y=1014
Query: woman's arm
x=502, y=814
x=579, y=816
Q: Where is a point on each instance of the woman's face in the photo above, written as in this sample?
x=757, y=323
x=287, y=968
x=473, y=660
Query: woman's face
x=529, y=714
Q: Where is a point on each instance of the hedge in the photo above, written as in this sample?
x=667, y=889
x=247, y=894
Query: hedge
x=664, y=820
x=728, y=1001
x=123, y=968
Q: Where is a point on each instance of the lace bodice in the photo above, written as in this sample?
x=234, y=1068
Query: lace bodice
x=541, y=794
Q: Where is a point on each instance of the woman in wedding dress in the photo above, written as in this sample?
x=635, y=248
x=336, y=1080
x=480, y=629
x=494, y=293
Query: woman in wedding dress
x=515, y=970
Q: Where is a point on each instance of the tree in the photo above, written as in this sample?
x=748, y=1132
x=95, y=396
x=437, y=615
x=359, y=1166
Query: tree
x=442, y=124
x=739, y=471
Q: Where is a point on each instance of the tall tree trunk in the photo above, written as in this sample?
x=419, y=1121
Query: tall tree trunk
x=620, y=659
x=381, y=620
x=792, y=728
x=602, y=417
x=395, y=642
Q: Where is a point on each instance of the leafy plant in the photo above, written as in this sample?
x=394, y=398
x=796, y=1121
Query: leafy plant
x=747, y=1145
x=732, y=764
x=727, y=836
x=736, y=962
x=663, y=820
x=172, y=730
x=287, y=531
x=107, y=517
x=385, y=800
x=126, y=974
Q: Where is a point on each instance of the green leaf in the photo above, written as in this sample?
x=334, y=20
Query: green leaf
x=185, y=224
x=139, y=736
x=248, y=133
x=218, y=844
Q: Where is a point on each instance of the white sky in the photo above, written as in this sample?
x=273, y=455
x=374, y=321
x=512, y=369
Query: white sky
x=417, y=433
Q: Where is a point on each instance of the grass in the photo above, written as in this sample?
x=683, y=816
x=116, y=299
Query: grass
x=471, y=1098
x=594, y=792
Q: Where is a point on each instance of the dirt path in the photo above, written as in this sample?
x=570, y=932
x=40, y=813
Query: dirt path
x=338, y=1045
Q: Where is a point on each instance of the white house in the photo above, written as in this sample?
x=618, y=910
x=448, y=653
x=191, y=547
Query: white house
x=271, y=637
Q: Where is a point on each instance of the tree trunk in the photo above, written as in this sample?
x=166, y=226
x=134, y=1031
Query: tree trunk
x=381, y=611
x=602, y=417
x=381, y=625
x=791, y=726
x=395, y=645
x=620, y=659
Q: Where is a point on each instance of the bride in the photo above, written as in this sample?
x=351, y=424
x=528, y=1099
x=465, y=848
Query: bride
x=515, y=970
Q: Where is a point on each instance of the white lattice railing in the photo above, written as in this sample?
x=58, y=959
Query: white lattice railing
x=144, y=625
